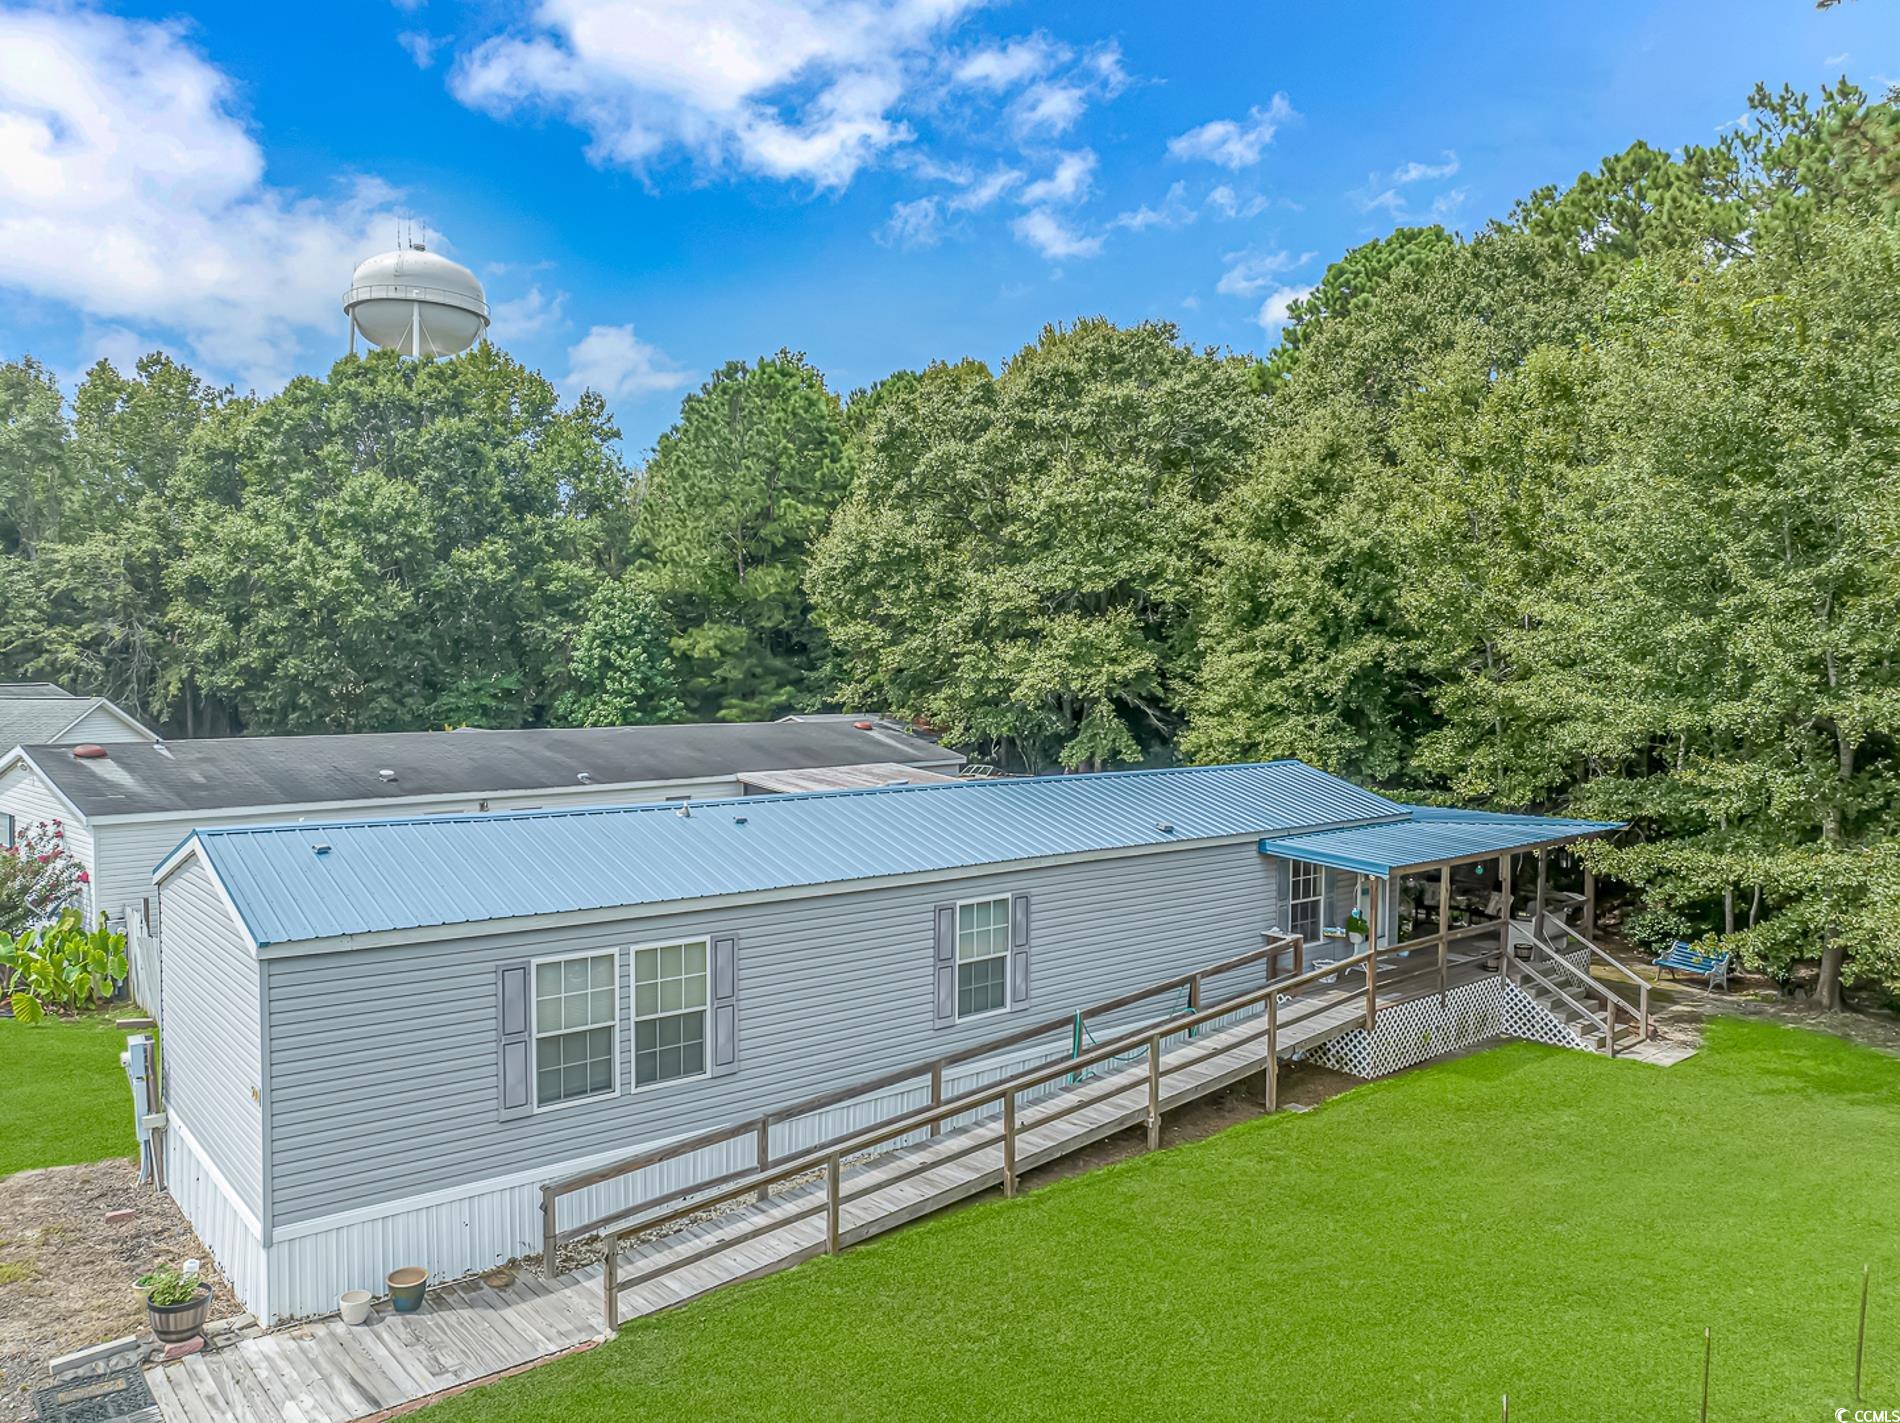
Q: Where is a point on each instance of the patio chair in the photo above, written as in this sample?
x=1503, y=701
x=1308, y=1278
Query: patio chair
x=1681, y=958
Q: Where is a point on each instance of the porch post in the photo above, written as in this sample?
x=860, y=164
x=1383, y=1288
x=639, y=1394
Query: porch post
x=1504, y=884
x=1537, y=921
x=1444, y=927
x=1372, y=963
x=1589, y=903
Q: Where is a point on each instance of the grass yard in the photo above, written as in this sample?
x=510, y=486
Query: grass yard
x=1527, y=1220
x=63, y=1096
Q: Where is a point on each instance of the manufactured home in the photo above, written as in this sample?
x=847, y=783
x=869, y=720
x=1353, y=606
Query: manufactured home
x=385, y=1037
x=46, y=714
x=125, y=805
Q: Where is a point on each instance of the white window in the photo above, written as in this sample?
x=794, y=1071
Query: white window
x=982, y=957
x=576, y=1028
x=669, y=1012
x=1305, y=889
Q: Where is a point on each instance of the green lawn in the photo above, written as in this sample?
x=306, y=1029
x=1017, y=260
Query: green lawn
x=63, y=1095
x=1527, y=1220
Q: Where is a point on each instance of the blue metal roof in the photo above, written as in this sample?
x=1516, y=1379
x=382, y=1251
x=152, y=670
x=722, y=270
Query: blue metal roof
x=1431, y=835
x=390, y=875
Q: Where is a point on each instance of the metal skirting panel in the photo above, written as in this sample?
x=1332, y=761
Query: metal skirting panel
x=220, y=1223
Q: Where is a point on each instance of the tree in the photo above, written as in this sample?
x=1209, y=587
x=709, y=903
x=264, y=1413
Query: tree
x=1713, y=652
x=620, y=673
x=736, y=493
x=405, y=545
x=1017, y=559
x=1354, y=278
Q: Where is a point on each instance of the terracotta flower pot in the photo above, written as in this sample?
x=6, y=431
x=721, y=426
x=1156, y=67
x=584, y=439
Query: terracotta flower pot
x=175, y=1323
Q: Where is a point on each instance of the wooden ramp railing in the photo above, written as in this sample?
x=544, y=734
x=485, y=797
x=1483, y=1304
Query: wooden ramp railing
x=758, y=1130
x=1250, y=1030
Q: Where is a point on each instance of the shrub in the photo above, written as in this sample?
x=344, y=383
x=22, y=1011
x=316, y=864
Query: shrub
x=38, y=878
x=1654, y=928
x=61, y=966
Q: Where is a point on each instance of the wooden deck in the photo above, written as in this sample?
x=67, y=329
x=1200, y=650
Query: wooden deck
x=327, y=1372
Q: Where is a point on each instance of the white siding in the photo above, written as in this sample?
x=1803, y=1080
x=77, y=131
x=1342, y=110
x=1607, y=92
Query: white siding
x=213, y=1045
x=228, y=1228
x=26, y=797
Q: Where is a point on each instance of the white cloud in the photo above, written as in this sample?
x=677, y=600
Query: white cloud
x=528, y=314
x=1835, y=61
x=615, y=362
x=1371, y=198
x=979, y=193
x=1051, y=235
x=1277, y=309
x=801, y=89
x=1250, y=273
x=1416, y=172
x=1175, y=211
x=1446, y=204
x=1068, y=182
x=131, y=192
x=421, y=47
x=918, y=223
x=1233, y=144
x=1227, y=204
x=1004, y=66
x=1048, y=108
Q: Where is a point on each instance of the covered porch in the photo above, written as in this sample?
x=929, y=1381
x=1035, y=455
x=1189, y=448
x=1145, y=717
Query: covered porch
x=1454, y=894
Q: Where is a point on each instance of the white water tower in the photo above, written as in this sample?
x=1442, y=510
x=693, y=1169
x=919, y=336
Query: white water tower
x=416, y=302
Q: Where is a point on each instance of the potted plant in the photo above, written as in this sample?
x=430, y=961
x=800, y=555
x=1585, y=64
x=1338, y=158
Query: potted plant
x=1357, y=928
x=177, y=1303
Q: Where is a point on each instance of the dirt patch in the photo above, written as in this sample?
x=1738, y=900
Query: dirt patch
x=66, y=1274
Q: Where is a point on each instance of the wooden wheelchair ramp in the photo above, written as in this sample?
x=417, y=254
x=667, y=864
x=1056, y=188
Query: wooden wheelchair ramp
x=877, y=1180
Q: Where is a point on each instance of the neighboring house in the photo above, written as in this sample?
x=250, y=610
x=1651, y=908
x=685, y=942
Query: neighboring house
x=125, y=806
x=42, y=713
x=39, y=713
x=382, y=1037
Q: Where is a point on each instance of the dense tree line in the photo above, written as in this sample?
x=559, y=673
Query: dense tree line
x=1593, y=511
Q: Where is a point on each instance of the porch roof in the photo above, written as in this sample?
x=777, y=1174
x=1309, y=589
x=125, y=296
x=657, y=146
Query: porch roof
x=1431, y=835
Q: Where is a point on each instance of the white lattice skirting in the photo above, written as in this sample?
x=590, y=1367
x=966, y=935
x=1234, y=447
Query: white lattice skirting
x=1414, y=1032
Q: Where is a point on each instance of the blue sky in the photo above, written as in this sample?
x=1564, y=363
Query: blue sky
x=651, y=187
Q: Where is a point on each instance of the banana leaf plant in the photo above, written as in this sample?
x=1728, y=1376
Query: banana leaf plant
x=60, y=966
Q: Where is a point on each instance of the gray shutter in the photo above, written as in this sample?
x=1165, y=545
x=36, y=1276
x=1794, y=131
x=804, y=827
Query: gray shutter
x=1283, y=893
x=945, y=957
x=725, y=1005
x=514, y=1046
x=1018, y=951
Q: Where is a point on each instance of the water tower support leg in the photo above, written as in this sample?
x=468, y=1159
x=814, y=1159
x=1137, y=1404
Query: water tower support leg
x=415, y=330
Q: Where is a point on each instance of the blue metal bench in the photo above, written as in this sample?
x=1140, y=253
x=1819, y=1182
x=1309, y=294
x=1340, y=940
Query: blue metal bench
x=1682, y=958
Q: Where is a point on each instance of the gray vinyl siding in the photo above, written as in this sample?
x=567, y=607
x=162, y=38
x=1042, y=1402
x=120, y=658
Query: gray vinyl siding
x=213, y=1057
x=27, y=798
x=100, y=725
x=384, y=1061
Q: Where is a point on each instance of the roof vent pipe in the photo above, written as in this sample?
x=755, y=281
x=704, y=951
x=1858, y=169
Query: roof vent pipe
x=387, y=774
x=685, y=812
